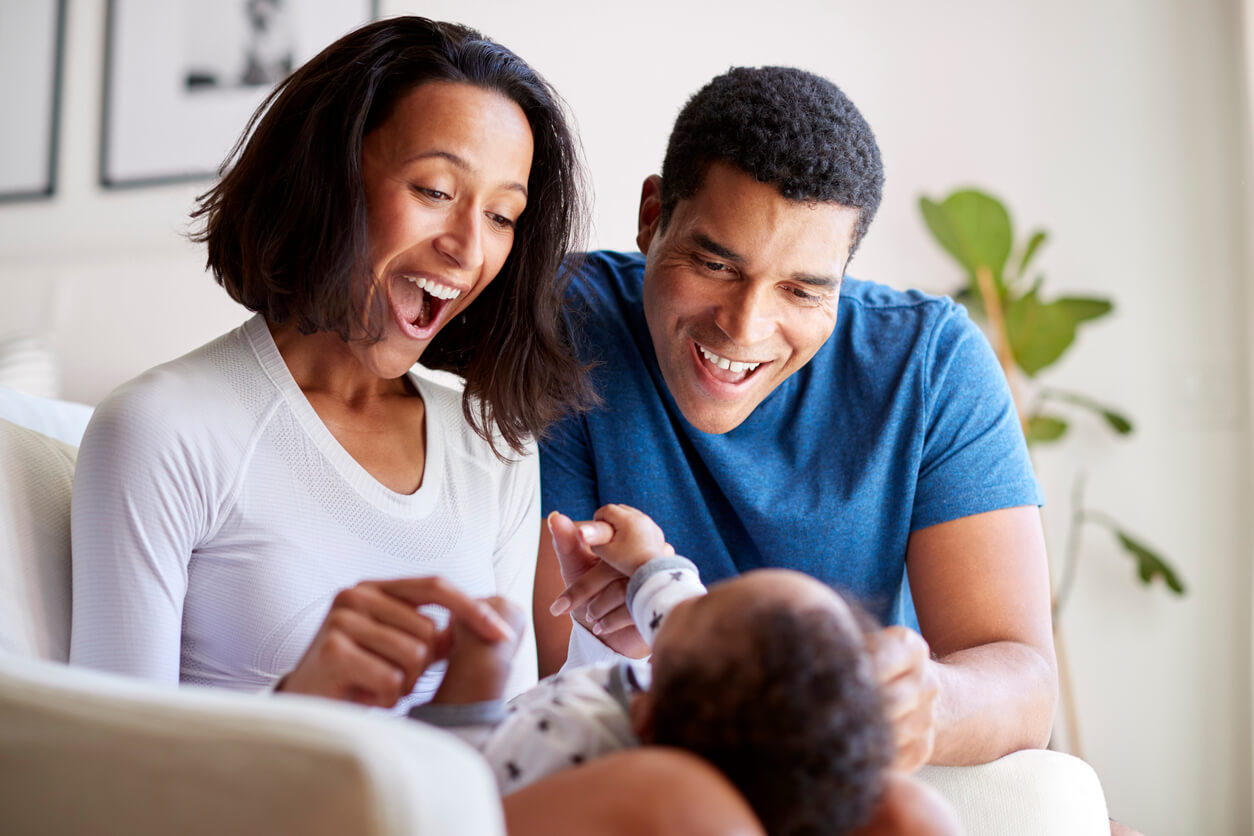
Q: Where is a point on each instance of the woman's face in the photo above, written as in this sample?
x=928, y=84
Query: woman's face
x=446, y=181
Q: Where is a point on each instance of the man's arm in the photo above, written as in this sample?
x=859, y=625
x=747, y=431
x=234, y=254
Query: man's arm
x=552, y=632
x=981, y=591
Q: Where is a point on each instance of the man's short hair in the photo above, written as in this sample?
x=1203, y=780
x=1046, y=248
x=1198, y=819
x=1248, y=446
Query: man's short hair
x=783, y=126
x=788, y=711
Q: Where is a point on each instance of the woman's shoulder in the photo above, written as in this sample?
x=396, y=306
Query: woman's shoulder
x=213, y=389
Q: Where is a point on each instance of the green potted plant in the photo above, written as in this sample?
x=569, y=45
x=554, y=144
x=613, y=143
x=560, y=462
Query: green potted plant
x=1030, y=333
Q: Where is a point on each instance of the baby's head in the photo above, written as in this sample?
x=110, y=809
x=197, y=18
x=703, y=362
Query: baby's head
x=766, y=678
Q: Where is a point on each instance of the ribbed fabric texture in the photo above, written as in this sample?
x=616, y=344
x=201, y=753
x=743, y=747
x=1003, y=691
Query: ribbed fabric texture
x=215, y=517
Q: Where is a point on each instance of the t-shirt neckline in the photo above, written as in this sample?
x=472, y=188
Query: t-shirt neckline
x=417, y=504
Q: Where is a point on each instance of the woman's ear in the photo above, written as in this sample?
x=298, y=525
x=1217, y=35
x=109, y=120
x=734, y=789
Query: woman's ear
x=650, y=212
x=641, y=713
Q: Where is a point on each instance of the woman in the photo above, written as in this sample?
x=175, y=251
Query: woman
x=407, y=194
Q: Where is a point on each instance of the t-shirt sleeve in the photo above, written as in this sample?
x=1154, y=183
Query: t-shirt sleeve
x=514, y=562
x=974, y=456
x=138, y=510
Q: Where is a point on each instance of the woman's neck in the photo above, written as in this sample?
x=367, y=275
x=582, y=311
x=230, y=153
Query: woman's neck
x=324, y=364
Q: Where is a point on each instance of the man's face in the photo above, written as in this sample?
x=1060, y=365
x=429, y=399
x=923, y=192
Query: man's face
x=740, y=290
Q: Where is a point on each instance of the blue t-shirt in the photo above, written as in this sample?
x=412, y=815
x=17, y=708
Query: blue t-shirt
x=902, y=420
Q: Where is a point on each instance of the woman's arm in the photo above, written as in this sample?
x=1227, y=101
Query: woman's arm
x=139, y=508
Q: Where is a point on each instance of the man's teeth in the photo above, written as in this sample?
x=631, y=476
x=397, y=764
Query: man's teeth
x=724, y=363
x=439, y=291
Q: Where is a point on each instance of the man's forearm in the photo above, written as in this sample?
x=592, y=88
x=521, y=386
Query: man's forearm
x=993, y=700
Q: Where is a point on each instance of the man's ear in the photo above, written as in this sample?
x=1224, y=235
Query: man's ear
x=641, y=712
x=650, y=211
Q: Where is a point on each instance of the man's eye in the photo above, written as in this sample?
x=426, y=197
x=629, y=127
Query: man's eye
x=802, y=296
x=714, y=266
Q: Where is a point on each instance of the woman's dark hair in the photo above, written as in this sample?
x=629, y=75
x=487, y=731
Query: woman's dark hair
x=287, y=233
x=788, y=711
x=783, y=126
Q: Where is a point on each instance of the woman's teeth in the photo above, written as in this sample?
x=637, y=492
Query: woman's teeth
x=439, y=291
x=724, y=363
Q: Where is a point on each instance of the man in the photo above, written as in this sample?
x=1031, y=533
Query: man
x=767, y=411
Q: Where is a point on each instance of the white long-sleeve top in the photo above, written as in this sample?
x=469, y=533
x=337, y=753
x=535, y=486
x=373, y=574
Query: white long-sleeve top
x=215, y=517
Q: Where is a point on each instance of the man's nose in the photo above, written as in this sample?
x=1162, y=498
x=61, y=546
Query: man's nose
x=748, y=314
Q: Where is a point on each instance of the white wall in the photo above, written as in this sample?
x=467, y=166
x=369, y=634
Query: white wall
x=1117, y=124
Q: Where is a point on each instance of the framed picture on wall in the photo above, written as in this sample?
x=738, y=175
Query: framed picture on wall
x=31, y=36
x=182, y=77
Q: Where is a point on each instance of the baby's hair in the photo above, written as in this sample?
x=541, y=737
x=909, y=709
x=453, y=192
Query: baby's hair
x=792, y=716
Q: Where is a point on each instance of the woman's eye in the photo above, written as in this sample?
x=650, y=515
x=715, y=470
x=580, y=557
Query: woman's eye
x=434, y=194
x=500, y=221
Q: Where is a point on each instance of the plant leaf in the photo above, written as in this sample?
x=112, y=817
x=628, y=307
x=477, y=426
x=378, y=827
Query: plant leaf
x=1084, y=308
x=1149, y=565
x=1040, y=332
x=1117, y=421
x=1039, y=237
x=1045, y=428
x=936, y=216
x=974, y=228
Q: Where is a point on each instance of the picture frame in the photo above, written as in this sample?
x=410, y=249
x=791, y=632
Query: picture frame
x=183, y=77
x=32, y=40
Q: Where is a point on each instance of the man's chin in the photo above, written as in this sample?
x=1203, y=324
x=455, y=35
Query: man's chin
x=715, y=419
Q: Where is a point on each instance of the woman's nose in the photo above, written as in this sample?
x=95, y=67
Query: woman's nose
x=462, y=239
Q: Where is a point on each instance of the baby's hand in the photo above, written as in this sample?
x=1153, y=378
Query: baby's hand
x=637, y=538
x=477, y=668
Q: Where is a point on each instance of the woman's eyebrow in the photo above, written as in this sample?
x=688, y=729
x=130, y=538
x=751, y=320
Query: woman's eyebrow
x=462, y=164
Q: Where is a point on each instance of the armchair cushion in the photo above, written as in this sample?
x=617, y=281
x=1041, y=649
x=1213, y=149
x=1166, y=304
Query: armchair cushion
x=36, y=474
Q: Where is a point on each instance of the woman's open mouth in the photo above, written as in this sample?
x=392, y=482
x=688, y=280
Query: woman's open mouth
x=418, y=301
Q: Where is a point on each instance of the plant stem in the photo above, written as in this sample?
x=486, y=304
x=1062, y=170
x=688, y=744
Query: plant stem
x=1071, y=554
x=1066, y=689
x=1001, y=339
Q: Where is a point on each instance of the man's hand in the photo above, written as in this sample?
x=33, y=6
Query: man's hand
x=477, y=667
x=596, y=592
x=909, y=684
x=374, y=644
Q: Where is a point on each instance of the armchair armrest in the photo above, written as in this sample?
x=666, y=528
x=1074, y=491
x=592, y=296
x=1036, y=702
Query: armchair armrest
x=82, y=752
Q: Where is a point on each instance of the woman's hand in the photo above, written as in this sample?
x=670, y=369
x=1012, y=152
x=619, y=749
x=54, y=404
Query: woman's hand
x=908, y=681
x=374, y=644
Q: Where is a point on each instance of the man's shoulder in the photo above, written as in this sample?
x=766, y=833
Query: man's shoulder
x=911, y=319
x=605, y=278
x=873, y=296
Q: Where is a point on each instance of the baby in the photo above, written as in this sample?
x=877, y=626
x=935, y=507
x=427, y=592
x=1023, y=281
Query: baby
x=764, y=676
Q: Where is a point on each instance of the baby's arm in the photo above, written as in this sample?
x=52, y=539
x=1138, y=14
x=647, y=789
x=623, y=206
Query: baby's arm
x=637, y=538
x=652, y=578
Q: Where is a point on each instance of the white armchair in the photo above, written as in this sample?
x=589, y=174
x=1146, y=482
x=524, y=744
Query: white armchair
x=84, y=752
x=87, y=752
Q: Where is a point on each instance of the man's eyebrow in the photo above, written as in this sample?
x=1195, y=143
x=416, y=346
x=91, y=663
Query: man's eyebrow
x=711, y=246
x=820, y=280
x=459, y=163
